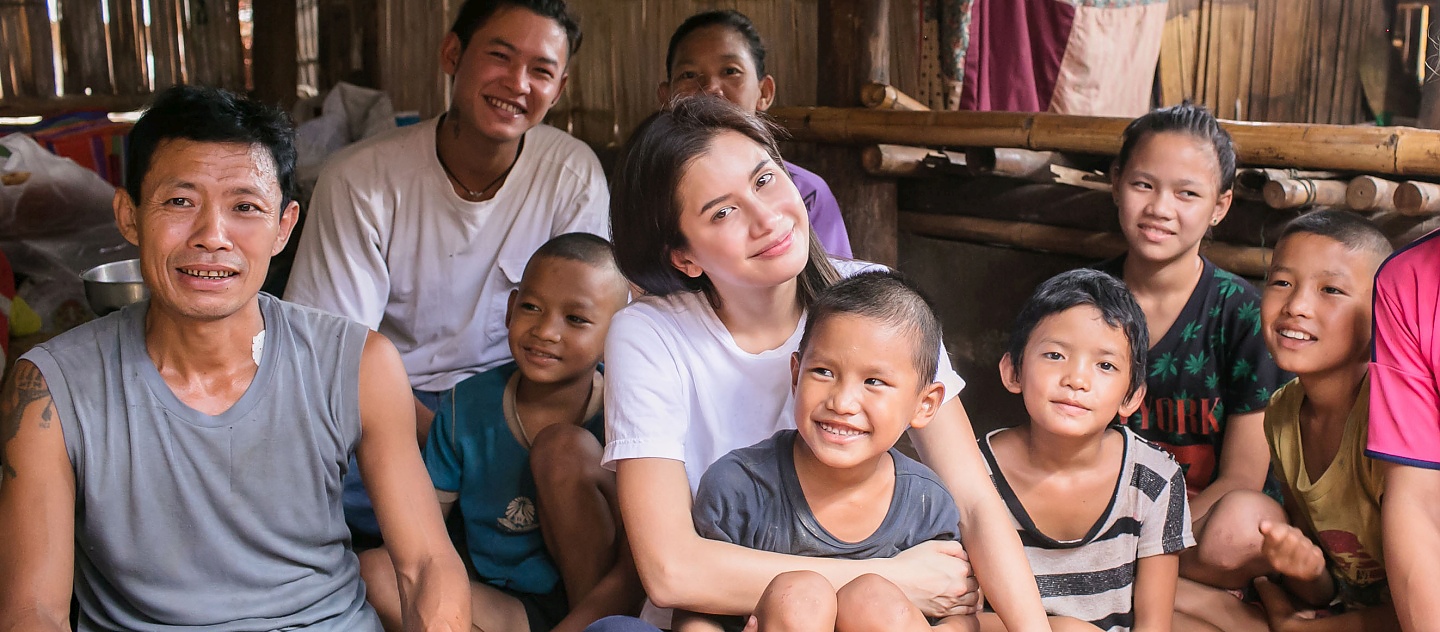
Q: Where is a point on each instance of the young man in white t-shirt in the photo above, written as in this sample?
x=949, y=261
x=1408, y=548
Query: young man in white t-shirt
x=422, y=233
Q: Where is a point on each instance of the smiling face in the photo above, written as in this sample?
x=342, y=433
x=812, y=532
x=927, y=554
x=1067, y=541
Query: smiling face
x=857, y=389
x=1074, y=374
x=1169, y=195
x=743, y=220
x=716, y=60
x=208, y=222
x=509, y=75
x=558, y=318
x=1315, y=308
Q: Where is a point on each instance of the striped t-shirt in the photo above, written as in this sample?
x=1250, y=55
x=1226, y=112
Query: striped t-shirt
x=1093, y=578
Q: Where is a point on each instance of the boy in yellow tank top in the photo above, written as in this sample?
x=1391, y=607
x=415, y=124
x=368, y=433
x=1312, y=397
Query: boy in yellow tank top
x=1316, y=314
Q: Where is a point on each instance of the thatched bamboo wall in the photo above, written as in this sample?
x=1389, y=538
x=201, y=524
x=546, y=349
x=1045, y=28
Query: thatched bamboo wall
x=614, y=77
x=190, y=41
x=1295, y=61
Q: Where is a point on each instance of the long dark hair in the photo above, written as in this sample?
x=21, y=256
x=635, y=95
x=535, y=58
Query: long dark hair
x=645, y=203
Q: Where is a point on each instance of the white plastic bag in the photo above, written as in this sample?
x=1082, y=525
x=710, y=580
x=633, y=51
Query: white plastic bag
x=42, y=194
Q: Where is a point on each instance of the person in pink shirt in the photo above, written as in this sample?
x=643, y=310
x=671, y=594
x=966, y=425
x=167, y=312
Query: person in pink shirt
x=1405, y=426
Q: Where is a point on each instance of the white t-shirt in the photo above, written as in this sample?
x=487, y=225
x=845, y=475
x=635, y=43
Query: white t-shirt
x=388, y=243
x=678, y=387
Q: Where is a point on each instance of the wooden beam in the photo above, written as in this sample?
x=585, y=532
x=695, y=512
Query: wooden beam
x=1381, y=150
x=1243, y=260
x=47, y=107
x=854, y=46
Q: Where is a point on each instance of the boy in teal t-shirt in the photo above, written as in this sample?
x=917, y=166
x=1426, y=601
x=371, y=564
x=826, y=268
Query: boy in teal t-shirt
x=480, y=445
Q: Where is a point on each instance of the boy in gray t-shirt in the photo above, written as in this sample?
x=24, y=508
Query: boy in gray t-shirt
x=863, y=374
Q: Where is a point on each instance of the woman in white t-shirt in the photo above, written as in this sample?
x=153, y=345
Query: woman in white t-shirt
x=707, y=223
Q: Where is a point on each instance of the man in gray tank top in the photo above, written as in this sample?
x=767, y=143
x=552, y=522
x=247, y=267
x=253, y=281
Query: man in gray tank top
x=177, y=465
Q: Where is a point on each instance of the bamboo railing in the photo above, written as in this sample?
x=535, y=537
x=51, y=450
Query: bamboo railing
x=1244, y=260
x=1400, y=151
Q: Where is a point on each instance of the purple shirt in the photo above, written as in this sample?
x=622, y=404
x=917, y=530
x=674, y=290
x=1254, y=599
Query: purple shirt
x=824, y=211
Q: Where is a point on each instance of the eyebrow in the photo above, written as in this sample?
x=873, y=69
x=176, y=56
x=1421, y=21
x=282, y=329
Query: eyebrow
x=712, y=203
x=499, y=41
x=1323, y=273
x=191, y=186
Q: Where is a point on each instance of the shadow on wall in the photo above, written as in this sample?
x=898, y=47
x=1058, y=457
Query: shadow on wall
x=977, y=290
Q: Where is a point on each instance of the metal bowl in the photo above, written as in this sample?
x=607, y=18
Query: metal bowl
x=112, y=286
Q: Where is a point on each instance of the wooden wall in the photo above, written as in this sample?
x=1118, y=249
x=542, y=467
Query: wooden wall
x=1295, y=61
x=109, y=61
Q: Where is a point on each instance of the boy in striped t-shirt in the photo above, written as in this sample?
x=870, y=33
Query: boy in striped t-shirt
x=1102, y=513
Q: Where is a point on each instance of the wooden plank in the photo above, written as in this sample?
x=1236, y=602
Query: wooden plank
x=905, y=45
x=42, y=49
x=1246, y=54
x=12, y=55
x=213, y=52
x=1259, y=79
x=165, y=38
x=84, y=48
x=127, y=57
x=1280, y=85
x=275, y=48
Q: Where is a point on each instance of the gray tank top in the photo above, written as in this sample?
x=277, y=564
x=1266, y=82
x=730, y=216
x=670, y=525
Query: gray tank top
x=229, y=522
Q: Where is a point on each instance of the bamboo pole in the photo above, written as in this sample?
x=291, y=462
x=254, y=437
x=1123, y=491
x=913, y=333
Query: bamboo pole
x=1417, y=199
x=884, y=97
x=1244, y=260
x=1300, y=193
x=1382, y=150
x=903, y=161
x=1369, y=193
x=1250, y=183
x=1014, y=163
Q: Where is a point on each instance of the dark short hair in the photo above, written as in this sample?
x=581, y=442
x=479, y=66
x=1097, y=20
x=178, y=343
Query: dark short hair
x=586, y=248
x=1356, y=232
x=210, y=115
x=1186, y=118
x=475, y=13
x=888, y=299
x=728, y=18
x=645, y=194
x=1094, y=288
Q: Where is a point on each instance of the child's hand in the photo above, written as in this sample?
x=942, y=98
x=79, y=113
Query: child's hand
x=1280, y=613
x=1290, y=553
x=937, y=578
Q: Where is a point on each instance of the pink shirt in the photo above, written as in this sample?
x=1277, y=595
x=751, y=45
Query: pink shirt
x=1404, y=391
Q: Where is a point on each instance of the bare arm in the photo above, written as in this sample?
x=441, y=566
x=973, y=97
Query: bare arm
x=947, y=445
x=1155, y=579
x=1411, y=518
x=1244, y=461
x=680, y=569
x=434, y=590
x=37, y=508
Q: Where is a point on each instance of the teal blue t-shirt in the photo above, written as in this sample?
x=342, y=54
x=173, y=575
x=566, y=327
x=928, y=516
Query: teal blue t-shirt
x=472, y=451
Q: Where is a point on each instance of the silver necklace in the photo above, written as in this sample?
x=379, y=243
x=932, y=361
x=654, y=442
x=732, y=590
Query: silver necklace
x=470, y=194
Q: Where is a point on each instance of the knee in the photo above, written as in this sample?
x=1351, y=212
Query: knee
x=871, y=602
x=1231, y=538
x=798, y=600
x=565, y=455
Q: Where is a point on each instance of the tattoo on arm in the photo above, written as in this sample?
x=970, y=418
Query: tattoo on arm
x=27, y=387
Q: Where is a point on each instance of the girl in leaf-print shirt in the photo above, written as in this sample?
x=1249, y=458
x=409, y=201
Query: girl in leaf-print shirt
x=1210, y=376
